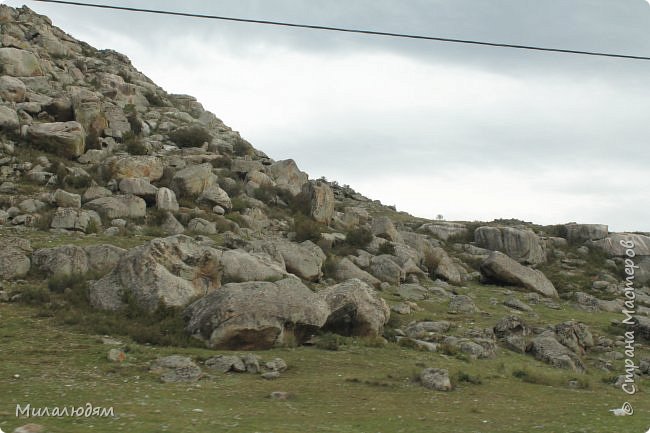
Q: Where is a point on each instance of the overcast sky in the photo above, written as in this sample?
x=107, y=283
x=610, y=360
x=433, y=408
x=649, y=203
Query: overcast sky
x=472, y=133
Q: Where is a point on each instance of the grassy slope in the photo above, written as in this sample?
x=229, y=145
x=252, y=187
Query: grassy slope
x=356, y=389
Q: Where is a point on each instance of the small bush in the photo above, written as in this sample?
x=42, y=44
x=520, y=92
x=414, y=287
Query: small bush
x=359, y=237
x=329, y=341
x=59, y=283
x=223, y=162
x=35, y=296
x=466, y=377
x=306, y=229
x=329, y=266
x=387, y=248
x=154, y=99
x=192, y=136
x=134, y=144
x=266, y=194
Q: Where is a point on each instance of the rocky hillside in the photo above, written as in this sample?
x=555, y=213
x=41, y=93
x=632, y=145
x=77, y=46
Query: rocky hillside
x=147, y=201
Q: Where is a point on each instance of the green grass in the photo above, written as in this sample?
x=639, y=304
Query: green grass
x=354, y=389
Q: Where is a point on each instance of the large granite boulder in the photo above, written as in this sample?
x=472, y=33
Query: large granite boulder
x=580, y=233
x=19, y=63
x=119, y=206
x=68, y=218
x=617, y=244
x=12, y=89
x=321, y=200
x=522, y=245
x=193, y=180
x=304, y=260
x=545, y=347
x=288, y=176
x=256, y=315
x=356, y=309
x=132, y=166
x=14, y=262
x=171, y=271
x=347, y=270
x=500, y=268
x=66, y=139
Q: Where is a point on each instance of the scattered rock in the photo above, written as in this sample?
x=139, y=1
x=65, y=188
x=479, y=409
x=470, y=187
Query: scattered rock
x=500, y=268
x=462, y=304
x=226, y=363
x=176, y=368
x=116, y=355
x=435, y=378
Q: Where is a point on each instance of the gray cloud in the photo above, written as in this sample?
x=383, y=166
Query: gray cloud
x=459, y=125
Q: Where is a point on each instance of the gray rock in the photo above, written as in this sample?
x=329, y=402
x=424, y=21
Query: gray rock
x=226, y=363
x=321, y=199
x=502, y=269
x=76, y=219
x=193, y=180
x=425, y=330
x=172, y=271
x=132, y=166
x=271, y=375
x=256, y=315
x=346, y=270
x=171, y=226
x=462, y=304
x=8, y=119
x=435, y=378
x=241, y=266
x=252, y=363
x=384, y=268
x=95, y=192
x=116, y=355
x=119, y=206
x=515, y=303
x=443, y=266
x=547, y=348
x=19, y=63
x=139, y=186
x=14, y=262
x=613, y=247
x=383, y=227
x=413, y=292
x=401, y=308
x=355, y=309
x=166, y=200
x=63, y=260
x=66, y=199
x=12, y=89
x=580, y=233
x=176, y=368
x=522, y=245
x=288, y=176
x=213, y=195
x=276, y=364
x=201, y=226
x=444, y=229
x=66, y=139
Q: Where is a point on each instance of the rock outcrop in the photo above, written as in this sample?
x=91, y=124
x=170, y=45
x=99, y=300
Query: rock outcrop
x=502, y=269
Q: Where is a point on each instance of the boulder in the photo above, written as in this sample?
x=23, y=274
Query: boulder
x=546, y=348
x=304, y=260
x=63, y=260
x=443, y=266
x=574, y=335
x=12, y=89
x=346, y=270
x=193, y=180
x=8, y=119
x=256, y=315
x=226, y=363
x=288, y=176
x=166, y=200
x=14, y=262
x=201, y=226
x=66, y=139
x=171, y=226
x=241, y=266
x=19, y=63
x=356, y=309
x=69, y=218
x=172, y=271
x=436, y=379
x=385, y=269
x=522, y=245
x=103, y=258
x=175, y=369
x=462, y=304
x=412, y=292
x=95, y=192
x=613, y=248
x=132, y=166
x=321, y=200
x=213, y=195
x=500, y=268
x=139, y=186
x=580, y=233
x=119, y=206
x=66, y=199
x=383, y=227
x=444, y=229
x=513, y=333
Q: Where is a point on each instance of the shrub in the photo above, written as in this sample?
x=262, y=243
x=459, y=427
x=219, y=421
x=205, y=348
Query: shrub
x=266, y=194
x=387, y=248
x=359, y=237
x=329, y=266
x=306, y=229
x=34, y=296
x=60, y=282
x=466, y=377
x=329, y=341
x=223, y=162
x=154, y=99
x=190, y=136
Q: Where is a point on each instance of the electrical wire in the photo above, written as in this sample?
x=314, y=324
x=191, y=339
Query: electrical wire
x=347, y=30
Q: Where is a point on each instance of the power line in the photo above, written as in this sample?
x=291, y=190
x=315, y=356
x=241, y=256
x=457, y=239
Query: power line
x=346, y=30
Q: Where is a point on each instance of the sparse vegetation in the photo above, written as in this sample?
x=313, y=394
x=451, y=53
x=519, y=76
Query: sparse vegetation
x=190, y=136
